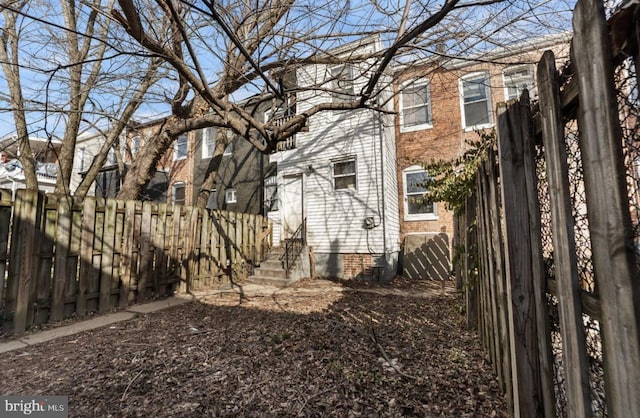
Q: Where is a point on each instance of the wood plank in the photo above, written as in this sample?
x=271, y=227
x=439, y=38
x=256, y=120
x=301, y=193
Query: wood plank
x=501, y=289
x=614, y=260
x=62, y=250
x=483, y=178
x=87, y=270
x=146, y=253
x=21, y=281
x=93, y=282
x=127, y=253
x=470, y=286
x=526, y=379
x=160, y=244
x=117, y=253
x=108, y=254
x=542, y=326
x=44, y=271
x=205, y=250
x=564, y=247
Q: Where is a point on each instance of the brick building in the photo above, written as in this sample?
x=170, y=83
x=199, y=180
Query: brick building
x=440, y=104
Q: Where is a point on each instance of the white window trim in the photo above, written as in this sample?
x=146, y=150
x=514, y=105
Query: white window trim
x=175, y=148
x=205, y=150
x=230, y=196
x=489, y=102
x=355, y=174
x=416, y=83
x=174, y=186
x=415, y=216
x=336, y=93
x=515, y=68
x=135, y=148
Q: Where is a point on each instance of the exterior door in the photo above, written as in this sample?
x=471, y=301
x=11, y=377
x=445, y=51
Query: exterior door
x=291, y=200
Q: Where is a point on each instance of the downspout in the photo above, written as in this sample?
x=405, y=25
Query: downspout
x=382, y=182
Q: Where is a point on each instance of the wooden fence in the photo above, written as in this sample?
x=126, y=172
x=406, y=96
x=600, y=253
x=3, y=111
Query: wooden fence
x=62, y=258
x=552, y=272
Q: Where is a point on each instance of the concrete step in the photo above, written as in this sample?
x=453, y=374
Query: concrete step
x=271, y=281
x=276, y=273
x=271, y=264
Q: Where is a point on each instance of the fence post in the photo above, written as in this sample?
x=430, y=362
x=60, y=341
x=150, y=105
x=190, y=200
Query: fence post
x=564, y=254
x=527, y=382
x=614, y=262
x=23, y=263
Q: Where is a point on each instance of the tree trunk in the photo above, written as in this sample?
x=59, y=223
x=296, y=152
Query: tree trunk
x=212, y=169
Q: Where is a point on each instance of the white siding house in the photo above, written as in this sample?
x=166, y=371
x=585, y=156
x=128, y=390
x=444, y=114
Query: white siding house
x=340, y=178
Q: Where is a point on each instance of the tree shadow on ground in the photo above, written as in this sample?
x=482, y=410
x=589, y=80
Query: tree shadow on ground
x=303, y=351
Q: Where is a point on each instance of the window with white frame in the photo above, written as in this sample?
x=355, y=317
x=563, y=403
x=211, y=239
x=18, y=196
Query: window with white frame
x=81, y=153
x=208, y=142
x=516, y=80
x=180, y=148
x=344, y=174
x=271, y=193
x=230, y=196
x=111, y=157
x=178, y=193
x=342, y=83
x=476, y=101
x=135, y=145
x=415, y=106
x=417, y=205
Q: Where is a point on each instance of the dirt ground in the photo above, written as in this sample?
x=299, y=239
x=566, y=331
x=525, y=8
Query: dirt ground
x=317, y=349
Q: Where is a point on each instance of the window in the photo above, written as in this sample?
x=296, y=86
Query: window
x=135, y=145
x=180, y=148
x=476, y=101
x=342, y=83
x=111, y=157
x=271, y=194
x=208, y=142
x=344, y=174
x=417, y=205
x=178, y=193
x=516, y=80
x=81, y=153
x=415, y=106
x=230, y=196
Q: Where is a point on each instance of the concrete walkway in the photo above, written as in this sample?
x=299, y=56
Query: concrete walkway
x=92, y=323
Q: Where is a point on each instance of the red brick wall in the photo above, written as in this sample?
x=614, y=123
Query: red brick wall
x=356, y=264
x=446, y=139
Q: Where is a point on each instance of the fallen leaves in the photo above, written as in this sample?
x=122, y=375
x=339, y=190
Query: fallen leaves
x=296, y=353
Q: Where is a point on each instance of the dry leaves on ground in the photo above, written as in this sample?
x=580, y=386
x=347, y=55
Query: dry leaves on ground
x=305, y=351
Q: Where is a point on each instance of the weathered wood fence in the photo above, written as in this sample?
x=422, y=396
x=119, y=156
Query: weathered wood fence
x=551, y=233
x=60, y=258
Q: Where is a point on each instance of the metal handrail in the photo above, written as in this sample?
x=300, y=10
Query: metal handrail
x=293, y=247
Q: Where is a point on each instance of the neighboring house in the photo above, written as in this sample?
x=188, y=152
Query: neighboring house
x=45, y=151
x=440, y=105
x=240, y=181
x=181, y=172
x=339, y=177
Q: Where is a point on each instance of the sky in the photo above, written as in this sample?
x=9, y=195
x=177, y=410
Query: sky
x=41, y=55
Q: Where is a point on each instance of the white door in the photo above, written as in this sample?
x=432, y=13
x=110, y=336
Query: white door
x=291, y=200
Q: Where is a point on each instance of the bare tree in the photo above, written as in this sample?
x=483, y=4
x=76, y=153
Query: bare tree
x=219, y=49
x=77, y=76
